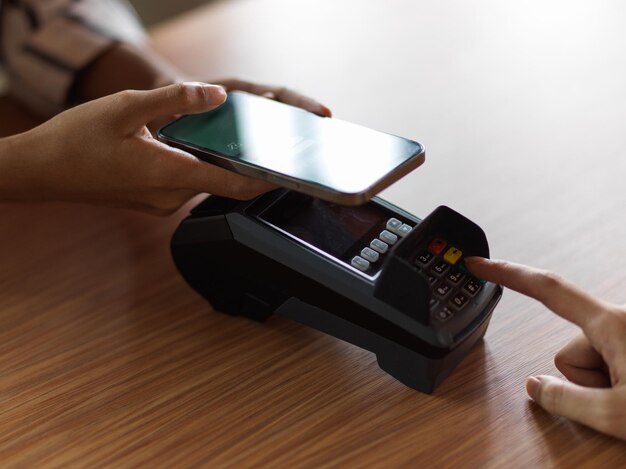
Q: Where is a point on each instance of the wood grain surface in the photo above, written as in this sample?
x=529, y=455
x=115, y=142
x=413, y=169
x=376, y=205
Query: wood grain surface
x=107, y=358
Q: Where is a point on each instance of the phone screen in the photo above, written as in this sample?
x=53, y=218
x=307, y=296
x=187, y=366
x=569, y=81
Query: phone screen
x=283, y=139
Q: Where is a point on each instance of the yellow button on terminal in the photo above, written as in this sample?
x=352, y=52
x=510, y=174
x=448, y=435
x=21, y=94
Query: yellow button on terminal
x=452, y=255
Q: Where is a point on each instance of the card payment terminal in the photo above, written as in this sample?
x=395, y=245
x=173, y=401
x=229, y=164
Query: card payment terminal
x=373, y=275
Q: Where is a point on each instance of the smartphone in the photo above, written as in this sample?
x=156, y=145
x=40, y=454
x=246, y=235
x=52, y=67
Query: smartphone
x=323, y=157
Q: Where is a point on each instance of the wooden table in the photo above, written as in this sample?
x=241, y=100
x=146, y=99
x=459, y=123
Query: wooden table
x=108, y=358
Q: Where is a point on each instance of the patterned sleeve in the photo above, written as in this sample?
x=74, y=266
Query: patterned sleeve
x=46, y=43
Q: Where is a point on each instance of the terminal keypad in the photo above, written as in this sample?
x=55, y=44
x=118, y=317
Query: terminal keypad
x=394, y=229
x=441, y=264
x=453, y=287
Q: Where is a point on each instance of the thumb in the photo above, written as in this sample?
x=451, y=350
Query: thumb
x=588, y=406
x=180, y=98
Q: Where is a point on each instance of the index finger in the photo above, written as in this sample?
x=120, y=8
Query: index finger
x=282, y=94
x=294, y=98
x=556, y=293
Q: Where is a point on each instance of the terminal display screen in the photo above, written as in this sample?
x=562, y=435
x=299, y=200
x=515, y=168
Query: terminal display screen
x=334, y=229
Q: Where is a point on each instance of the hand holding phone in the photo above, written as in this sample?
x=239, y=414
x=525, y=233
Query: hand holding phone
x=327, y=158
x=102, y=153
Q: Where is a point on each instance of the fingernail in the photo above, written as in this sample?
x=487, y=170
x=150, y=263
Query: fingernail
x=473, y=259
x=533, y=386
x=216, y=93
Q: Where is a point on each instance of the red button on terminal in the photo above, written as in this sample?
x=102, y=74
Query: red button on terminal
x=436, y=246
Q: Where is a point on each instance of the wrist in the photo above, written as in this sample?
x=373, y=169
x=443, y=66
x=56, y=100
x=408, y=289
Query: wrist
x=27, y=165
x=20, y=168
